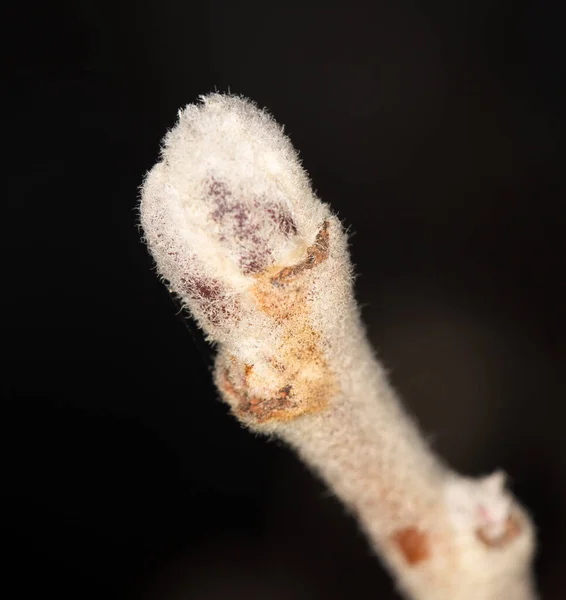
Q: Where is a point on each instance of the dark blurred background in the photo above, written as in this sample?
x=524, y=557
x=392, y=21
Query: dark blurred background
x=435, y=130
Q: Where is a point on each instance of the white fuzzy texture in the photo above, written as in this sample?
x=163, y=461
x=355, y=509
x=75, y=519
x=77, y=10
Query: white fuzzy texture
x=231, y=220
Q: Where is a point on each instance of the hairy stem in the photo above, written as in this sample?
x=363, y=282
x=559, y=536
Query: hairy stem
x=263, y=265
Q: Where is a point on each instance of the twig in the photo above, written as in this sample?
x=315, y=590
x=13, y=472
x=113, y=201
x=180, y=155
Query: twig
x=231, y=220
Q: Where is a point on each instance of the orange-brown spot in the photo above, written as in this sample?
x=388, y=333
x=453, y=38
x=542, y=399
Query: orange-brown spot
x=512, y=530
x=413, y=544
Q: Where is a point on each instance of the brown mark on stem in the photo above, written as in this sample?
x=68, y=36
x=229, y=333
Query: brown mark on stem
x=413, y=544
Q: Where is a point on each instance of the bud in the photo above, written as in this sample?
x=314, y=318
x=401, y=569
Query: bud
x=228, y=200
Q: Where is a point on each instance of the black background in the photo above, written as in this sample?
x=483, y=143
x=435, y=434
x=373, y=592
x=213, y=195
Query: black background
x=435, y=130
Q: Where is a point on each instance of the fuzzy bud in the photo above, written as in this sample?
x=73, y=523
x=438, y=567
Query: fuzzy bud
x=228, y=200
